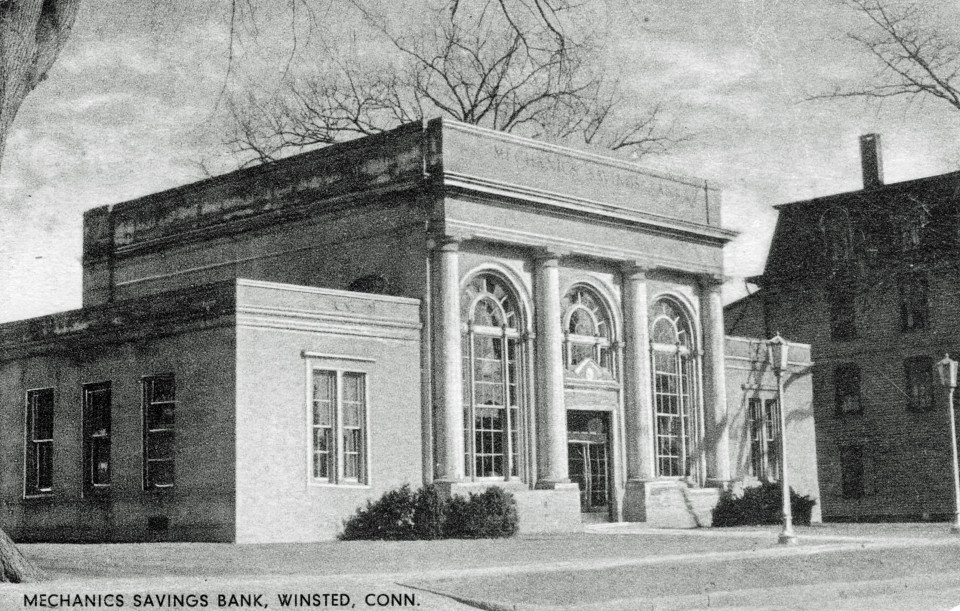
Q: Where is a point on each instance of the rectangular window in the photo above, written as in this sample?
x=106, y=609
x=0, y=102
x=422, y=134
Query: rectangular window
x=96, y=436
x=914, y=307
x=846, y=388
x=919, y=383
x=764, y=423
x=159, y=409
x=851, y=472
x=338, y=426
x=843, y=312
x=39, y=451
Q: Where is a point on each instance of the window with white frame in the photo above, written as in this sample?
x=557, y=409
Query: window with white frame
x=339, y=426
x=764, y=423
x=588, y=329
x=38, y=477
x=674, y=391
x=159, y=411
x=96, y=436
x=492, y=384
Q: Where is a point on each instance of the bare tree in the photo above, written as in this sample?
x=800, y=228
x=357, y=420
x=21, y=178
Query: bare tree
x=32, y=34
x=518, y=66
x=914, y=58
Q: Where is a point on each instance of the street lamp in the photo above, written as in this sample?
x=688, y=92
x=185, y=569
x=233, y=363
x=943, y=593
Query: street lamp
x=947, y=368
x=778, y=350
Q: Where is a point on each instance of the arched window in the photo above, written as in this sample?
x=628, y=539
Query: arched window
x=492, y=385
x=837, y=233
x=588, y=328
x=674, y=390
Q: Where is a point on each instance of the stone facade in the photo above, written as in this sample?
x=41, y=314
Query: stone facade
x=868, y=279
x=439, y=303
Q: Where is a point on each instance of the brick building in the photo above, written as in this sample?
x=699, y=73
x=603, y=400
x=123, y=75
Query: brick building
x=869, y=279
x=260, y=353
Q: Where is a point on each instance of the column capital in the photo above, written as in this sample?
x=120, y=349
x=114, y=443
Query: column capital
x=711, y=282
x=550, y=255
x=636, y=270
x=444, y=242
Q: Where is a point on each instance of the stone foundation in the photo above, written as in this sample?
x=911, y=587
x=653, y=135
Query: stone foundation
x=669, y=504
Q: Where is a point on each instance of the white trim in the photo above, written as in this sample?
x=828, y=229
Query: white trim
x=304, y=354
x=514, y=281
x=336, y=478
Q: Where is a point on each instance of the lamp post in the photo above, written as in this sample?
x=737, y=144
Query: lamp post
x=778, y=350
x=947, y=368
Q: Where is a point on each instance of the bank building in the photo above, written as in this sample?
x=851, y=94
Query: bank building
x=260, y=353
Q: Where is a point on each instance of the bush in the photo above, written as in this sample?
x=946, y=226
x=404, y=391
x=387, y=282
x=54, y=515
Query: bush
x=761, y=505
x=402, y=514
x=389, y=517
x=489, y=515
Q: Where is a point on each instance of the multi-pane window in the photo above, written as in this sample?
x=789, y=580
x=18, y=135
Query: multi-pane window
x=914, y=302
x=39, y=450
x=846, y=386
x=919, y=383
x=843, y=311
x=764, y=423
x=159, y=410
x=492, y=390
x=673, y=392
x=96, y=436
x=851, y=471
x=587, y=329
x=339, y=426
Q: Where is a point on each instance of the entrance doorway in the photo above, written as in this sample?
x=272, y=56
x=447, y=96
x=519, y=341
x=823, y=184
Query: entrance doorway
x=588, y=441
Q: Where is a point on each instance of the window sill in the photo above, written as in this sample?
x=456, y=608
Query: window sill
x=38, y=499
x=341, y=485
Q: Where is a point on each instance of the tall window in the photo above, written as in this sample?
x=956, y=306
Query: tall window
x=846, y=387
x=587, y=328
x=913, y=302
x=39, y=451
x=851, y=472
x=843, y=310
x=339, y=426
x=919, y=383
x=764, y=438
x=492, y=380
x=159, y=409
x=96, y=436
x=673, y=372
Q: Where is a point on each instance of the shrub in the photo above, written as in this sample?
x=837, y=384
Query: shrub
x=402, y=514
x=389, y=517
x=760, y=505
x=488, y=515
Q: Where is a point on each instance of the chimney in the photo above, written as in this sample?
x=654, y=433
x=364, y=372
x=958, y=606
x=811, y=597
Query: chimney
x=871, y=161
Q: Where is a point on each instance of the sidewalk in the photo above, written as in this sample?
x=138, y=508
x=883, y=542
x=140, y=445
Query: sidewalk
x=612, y=566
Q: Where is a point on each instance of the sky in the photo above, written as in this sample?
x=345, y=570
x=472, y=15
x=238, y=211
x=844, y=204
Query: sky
x=135, y=105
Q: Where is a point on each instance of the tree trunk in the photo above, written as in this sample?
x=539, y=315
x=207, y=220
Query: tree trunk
x=14, y=567
x=32, y=34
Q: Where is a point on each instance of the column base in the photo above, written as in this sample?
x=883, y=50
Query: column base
x=559, y=485
x=721, y=484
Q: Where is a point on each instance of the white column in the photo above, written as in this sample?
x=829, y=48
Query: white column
x=447, y=363
x=714, y=381
x=552, y=468
x=638, y=416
